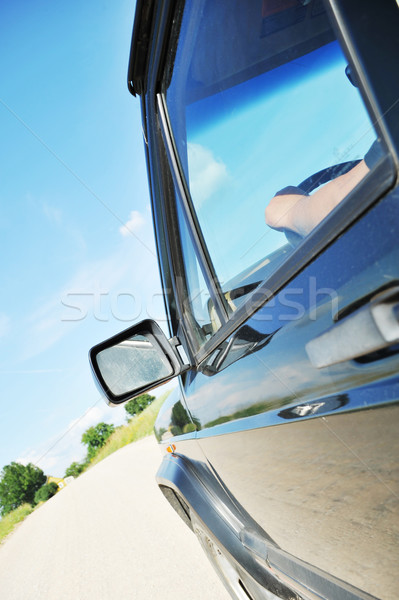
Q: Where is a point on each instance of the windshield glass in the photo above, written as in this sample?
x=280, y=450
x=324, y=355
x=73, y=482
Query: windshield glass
x=259, y=99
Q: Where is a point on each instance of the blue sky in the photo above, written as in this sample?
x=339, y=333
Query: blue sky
x=72, y=175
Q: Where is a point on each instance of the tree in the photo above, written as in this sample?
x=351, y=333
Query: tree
x=45, y=492
x=95, y=438
x=137, y=405
x=18, y=485
x=182, y=423
x=74, y=469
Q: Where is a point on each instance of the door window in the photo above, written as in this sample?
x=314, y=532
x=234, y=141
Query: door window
x=260, y=97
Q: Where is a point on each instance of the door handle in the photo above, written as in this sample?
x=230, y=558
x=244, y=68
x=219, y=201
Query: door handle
x=372, y=327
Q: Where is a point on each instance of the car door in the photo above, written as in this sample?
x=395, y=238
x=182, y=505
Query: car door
x=294, y=341
x=311, y=451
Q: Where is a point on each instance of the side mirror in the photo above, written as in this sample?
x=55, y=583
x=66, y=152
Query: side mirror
x=135, y=361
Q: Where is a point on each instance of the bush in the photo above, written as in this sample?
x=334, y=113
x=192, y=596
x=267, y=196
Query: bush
x=45, y=492
x=189, y=428
x=95, y=438
x=75, y=469
x=138, y=404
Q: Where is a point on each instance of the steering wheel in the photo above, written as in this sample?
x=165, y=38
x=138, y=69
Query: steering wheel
x=321, y=177
x=309, y=185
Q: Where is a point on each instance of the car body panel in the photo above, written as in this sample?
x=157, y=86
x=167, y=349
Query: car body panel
x=312, y=453
x=286, y=467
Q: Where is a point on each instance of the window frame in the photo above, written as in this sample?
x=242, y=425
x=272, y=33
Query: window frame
x=200, y=247
x=366, y=194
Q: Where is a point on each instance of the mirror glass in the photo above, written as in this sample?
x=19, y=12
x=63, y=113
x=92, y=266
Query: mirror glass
x=133, y=364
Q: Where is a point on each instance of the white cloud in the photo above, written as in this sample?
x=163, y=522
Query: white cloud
x=32, y=456
x=207, y=174
x=114, y=288
x=53, y=214
x=56, y=217
x=135, y=222
x=96, y=414
x=70, y=305
x=4, y=325
x=30, y=371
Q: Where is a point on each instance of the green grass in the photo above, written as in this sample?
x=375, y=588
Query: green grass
x=138, y=427
x=14, y=517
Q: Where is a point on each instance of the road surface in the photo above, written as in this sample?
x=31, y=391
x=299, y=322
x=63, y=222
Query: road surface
x=110, y=535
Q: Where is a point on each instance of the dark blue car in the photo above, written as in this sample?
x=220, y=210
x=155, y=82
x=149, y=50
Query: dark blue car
x=271, y=129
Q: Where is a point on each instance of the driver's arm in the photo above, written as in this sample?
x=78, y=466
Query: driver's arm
x=301, y=213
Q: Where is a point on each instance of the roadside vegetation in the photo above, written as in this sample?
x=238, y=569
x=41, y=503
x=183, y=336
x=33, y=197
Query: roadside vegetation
x=102, y=440
x=24, y=488
x=19, y=484
x=12, y=519
x=139, y=426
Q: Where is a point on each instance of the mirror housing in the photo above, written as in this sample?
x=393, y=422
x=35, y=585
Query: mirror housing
x=135, y=361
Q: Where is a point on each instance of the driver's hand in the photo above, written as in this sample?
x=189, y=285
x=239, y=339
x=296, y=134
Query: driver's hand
x=281, y=212
x=293, y=209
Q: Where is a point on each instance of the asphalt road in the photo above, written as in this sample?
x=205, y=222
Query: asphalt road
x=109, y=535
